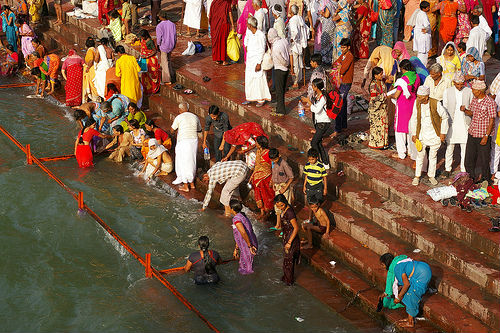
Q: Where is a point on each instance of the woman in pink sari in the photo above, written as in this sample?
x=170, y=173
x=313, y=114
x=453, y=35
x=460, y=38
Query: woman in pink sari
x=27, y=35
x=463, y=26
x=242, y=21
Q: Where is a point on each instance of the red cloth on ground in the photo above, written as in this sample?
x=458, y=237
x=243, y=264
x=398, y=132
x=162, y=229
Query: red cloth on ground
x=495, y=194
x=220, y=27
x=241, y=133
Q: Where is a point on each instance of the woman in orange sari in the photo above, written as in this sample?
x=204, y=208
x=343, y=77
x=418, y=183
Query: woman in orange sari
x=448, y=25
x=150, y=79
x=261, y=178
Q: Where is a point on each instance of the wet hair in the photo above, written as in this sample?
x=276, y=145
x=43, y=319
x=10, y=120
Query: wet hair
x=35, y=40
x=134, y=124
x=345, y=42
x=104, y=41
x=406, y=65
x=263, y=141
x=462, y=46
x=281, y=198
x=273, y=153
x=118, y=128
x=213, y=109
x=144, y=34
x=150, y=122
x=312, y=153
x=133, y=106
x=88, y=123
x=313, y=200
x=114, y=14
x=474, y=19
x=106, y=105
x=120, y=49
x=317, y=58
x=10, y=47
x=376, y=71
x=424, y=5
x=79, y=114
x=90, y=42
x=204, y=243
x=387, y=259
x=236, y=205
x=36, y=71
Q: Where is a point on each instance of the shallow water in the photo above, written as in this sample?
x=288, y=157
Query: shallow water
x=62, y=272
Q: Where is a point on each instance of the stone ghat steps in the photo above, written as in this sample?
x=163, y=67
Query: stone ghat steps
x=355, y=243
x=470, y=228
x=453, y=285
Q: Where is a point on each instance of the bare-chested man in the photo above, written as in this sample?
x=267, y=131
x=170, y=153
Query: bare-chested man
x=322, y=226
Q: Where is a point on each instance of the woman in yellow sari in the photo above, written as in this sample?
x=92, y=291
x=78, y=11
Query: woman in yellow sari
x=261, y=178
x=89, y=92
x=35, y=10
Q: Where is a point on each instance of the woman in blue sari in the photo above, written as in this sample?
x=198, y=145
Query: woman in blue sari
x=420, y=69
x=414, y=276
x=9, y=26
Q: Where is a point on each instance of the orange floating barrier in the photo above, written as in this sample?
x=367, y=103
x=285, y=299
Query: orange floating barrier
x=177, y=269
x=28, y=154
x=56, y=158
x=17, y=85
x=81, y=205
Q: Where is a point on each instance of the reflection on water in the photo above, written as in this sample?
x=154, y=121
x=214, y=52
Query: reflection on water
x=62, y=272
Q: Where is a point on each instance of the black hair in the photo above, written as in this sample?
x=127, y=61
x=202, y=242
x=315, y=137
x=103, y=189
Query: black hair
x=263, y=141
x=133, y=106
x=88, y=123
x=35, y=54
x=387, y=259
x=163, y=14
x=236, y=205
x=281, y=198
x=104, y=41
x=313, y=200
x=79, y=114
x=118, y=128
x=312, y=153
x=213, y=109
x=448, y=46
x=462, y=46
x=134, y=123
x=114, y=14
x=376, y=71
x=5, y=7
x=278, y=7
x=318, y=83
x=35, y=40
x=10, y=47
x=273, y=153
x=106, y=105
x=20, y=20
x=120, y=49
x=90, y=42
x=424, y=4
x=150, y=122
x=317, y=58
x=345, y=42
x=204, y=243
x=474, y=19
x=36, y=71
x=144, y=34
x=406, y=65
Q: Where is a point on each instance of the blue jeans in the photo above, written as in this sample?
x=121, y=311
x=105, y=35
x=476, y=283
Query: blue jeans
x=341, y=120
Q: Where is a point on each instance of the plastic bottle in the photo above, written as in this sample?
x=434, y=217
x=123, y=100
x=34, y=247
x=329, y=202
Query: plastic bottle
x=302, y=113
x=206, y=154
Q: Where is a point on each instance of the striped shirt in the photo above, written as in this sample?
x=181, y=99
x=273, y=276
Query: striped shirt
x=314, y=173
x=220, y=172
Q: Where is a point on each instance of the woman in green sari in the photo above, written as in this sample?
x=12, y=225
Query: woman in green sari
x=389, y=262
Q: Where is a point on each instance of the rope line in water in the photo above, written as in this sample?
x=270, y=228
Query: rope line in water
x=154, y=272
x=17, y=85
x=56, y=158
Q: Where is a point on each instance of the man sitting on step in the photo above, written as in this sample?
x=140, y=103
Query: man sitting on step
x=429, y=122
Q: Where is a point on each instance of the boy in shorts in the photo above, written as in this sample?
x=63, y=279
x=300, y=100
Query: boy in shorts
x=319, y=223
x=314, y=178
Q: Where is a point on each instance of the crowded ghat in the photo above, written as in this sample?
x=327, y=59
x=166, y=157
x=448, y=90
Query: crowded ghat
x=429, y=111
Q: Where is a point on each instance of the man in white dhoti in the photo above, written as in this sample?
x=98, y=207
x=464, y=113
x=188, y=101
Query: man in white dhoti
x=256, y=89
x=477, y=36
x=187, y=125
x=298, y=33
x=422, y=42
x=262, y=16
x=429, y=122
x=458, y=122
x=192, y=15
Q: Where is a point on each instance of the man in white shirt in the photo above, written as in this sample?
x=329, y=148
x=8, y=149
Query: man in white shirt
x=422, y=41
x=282, y=12
x=477, y=36
x=279, y=23
x=187, y=126
x=436, y=82
x=262, y=16
x=280, y=51
x=429, y=122
x=298, y=33
x=256, y=88
x=458, y=122
x=483, y=24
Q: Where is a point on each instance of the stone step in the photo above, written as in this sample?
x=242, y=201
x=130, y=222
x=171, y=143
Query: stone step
x=470, y=228
x=438, y=308
x=464, y=293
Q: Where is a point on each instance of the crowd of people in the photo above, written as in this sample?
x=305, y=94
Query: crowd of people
x=432, y=103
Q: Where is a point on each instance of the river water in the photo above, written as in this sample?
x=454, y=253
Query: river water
x=61, y=272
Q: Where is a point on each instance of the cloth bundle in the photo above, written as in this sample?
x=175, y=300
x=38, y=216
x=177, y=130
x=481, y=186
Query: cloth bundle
x=443, y=192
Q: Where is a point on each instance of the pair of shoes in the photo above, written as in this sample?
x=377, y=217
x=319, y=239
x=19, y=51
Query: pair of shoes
x=276, y=114
x=453, y=201
x=415, y=181
x=246, y=103
x=445, y=174
x=260, y=104
x=475, y=204
x=433, y=181
x=445, y=202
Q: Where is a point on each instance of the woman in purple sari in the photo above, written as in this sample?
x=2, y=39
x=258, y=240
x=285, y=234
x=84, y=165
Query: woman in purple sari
x=246, y=241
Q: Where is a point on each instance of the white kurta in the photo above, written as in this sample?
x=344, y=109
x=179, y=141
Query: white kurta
x=192, y=13
x=437, y=91
x=298, y=33
x=256, y=88
x=477, y=39
x=457, y=132
x=428, y=135
x=262, y=16
x=422, y=41
x=483, y=24
x=100, y=71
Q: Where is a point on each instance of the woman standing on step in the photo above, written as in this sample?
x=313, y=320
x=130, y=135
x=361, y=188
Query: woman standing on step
x=150, y=79
x=103, y=60
x=72, y=71
x=414, y=276
x=9, y=26
x=377, y=111
x=88, y=87
x=261, y=178
x=26, y=34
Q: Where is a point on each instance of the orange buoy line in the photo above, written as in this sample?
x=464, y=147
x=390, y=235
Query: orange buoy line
x=17, y=85
x=150, y=271
x=56, y=158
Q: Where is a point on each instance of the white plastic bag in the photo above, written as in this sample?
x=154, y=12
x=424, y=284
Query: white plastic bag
x=190, y=50
x=267, y=61
x=443, y=192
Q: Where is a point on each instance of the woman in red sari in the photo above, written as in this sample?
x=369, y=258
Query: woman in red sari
x=72, y=71
x=448, y=25
x=221, y=20
x=104, y=7
x=83, y=152
x=152, y=78
x=261, y=178
x=362, y=31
